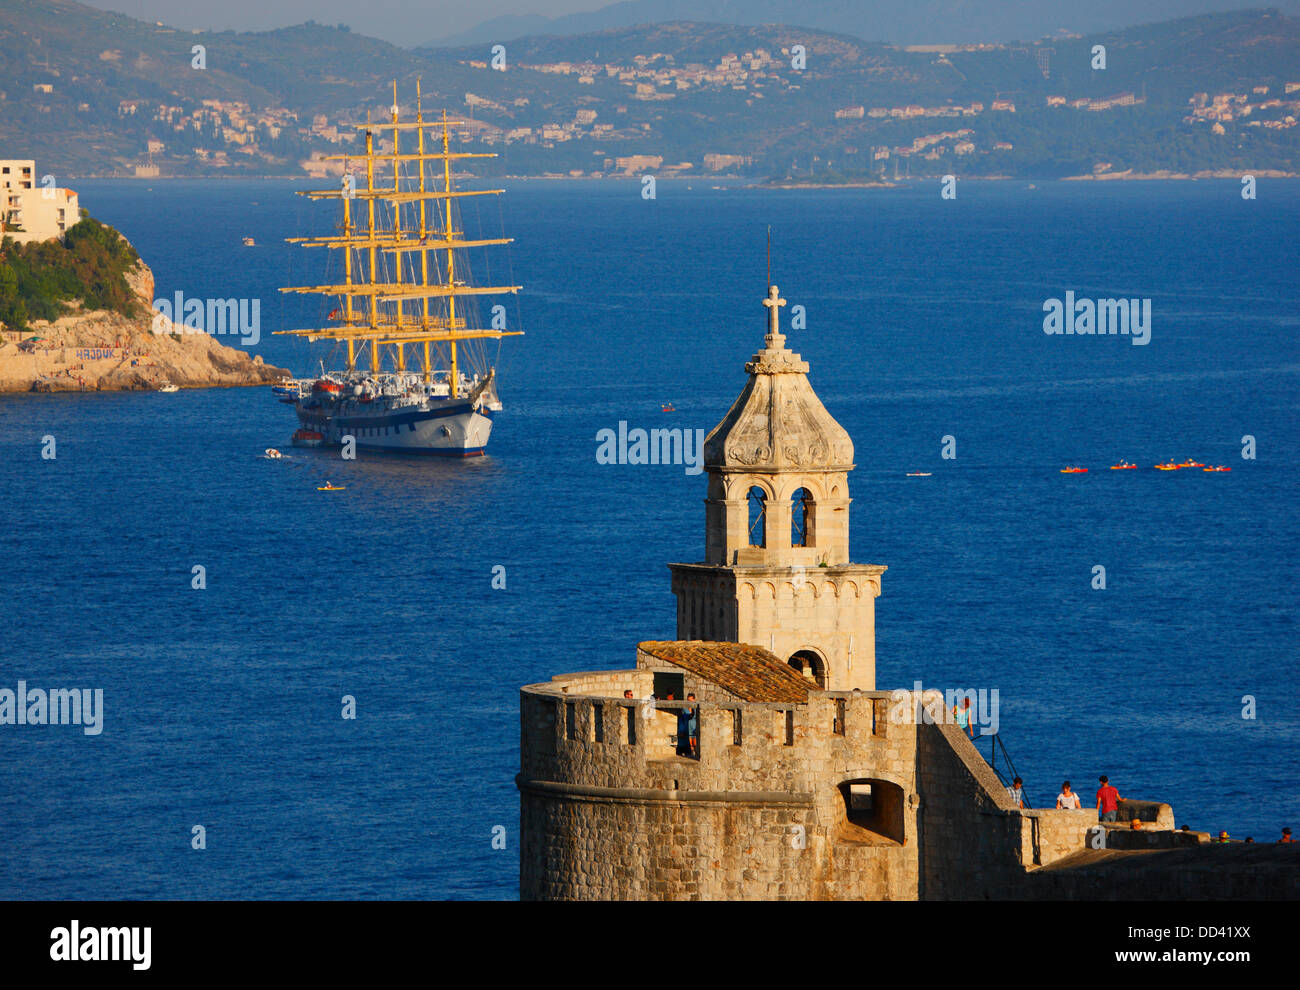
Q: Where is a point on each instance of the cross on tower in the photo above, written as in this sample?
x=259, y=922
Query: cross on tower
x=773, y=302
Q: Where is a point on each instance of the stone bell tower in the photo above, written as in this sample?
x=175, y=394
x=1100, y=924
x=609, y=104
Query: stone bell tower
x=776, y=572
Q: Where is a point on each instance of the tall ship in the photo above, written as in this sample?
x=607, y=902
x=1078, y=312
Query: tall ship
x=405, y=316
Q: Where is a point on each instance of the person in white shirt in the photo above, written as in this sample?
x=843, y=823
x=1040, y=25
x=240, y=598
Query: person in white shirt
x=1067, y=799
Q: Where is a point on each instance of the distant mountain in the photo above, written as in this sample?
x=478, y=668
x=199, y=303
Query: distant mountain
x=87, y=92
x=913, y=22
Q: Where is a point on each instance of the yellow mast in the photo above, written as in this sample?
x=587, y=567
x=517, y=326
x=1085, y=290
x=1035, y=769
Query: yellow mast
x=397, y=225
x=374, y=299
x=393, y=325
x=450, y=234
x=424, y=232
x=347, y=268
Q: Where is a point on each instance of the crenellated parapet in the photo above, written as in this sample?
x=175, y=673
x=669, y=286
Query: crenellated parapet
x=841, y=795
x=807, y=800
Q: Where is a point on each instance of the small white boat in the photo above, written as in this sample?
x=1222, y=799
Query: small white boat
x=273, y=454
x=249, y=242
x=919, y=474
x=168, y=387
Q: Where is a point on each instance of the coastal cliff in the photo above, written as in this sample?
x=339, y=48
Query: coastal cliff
x=89, y=344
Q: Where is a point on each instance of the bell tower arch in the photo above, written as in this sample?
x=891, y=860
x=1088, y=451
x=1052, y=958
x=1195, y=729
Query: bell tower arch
x=777, y=572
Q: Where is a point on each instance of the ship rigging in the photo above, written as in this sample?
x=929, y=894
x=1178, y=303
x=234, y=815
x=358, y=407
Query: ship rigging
x=406, y=306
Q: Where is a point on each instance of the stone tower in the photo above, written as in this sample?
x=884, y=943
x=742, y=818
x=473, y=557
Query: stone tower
x=776, y=572
x=789, y=790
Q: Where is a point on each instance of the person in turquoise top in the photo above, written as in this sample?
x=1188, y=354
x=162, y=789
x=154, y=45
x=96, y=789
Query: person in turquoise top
x=963, y=717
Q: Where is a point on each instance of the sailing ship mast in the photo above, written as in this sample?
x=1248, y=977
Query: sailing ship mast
x=368, y=324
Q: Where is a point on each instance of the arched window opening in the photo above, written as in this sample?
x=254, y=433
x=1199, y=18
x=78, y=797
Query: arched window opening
x=801, y=519
x=810, y=666
x=873, y=812
x=757, y=517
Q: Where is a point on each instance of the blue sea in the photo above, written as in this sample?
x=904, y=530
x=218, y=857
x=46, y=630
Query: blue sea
x=924, y=321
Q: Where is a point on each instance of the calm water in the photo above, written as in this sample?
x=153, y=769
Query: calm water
x=924, y=316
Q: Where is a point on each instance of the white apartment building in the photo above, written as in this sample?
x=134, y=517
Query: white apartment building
x=30, y=211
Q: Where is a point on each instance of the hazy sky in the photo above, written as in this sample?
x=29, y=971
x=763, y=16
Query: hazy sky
x=403, y=22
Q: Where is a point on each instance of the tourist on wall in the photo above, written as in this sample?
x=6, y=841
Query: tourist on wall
x=1286, y=836
x=688, y=728
x=1067, y=800
x=963, y=717
x=1016, y=791
x=1108, y=799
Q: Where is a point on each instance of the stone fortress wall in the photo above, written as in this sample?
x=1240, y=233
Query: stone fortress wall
x=809, y=783
x=608, y=811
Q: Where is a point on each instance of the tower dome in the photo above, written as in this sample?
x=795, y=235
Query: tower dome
x=778, y=467
x=778, y=423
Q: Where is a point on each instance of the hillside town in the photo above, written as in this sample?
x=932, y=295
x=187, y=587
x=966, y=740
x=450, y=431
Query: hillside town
x=1268, y=111
x=596, y=119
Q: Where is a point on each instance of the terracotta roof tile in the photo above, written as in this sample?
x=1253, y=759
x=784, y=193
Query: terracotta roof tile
x=749, y=672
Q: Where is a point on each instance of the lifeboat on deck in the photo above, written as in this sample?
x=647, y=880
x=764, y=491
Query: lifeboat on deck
x=325, y=385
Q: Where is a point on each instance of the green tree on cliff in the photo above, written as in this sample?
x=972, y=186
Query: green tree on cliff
x=89, y=263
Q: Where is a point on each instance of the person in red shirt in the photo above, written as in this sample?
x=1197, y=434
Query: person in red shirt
x=1108, y=800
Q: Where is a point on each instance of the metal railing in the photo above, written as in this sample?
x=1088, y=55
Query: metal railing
x=995, y=748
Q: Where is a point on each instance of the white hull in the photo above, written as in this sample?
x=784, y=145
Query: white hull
x=446, y=427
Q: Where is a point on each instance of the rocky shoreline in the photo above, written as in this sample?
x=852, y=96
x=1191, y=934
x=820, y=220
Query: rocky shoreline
x=96, y=350
x=1128, y=175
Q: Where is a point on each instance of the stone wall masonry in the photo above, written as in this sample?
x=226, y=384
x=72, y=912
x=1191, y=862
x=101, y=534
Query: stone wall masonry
x=608, y=811
x=971, y=833
x=559, y=730
x=830, y=611
x=1049, y=835
x=1195, y=872
x=614, y=817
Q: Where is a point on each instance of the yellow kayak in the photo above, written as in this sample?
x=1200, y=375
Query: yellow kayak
x=332, y=488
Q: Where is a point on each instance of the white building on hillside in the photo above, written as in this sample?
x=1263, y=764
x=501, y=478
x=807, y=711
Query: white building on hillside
x=30, y=211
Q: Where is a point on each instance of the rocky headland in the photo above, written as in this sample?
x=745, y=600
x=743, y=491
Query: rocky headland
x=87, y=349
